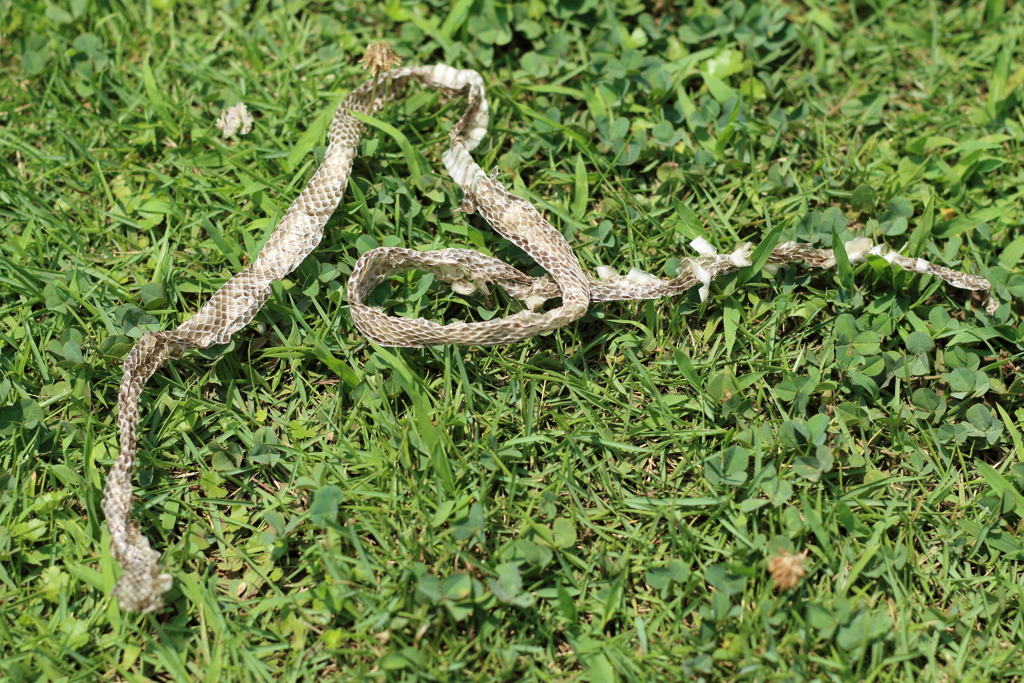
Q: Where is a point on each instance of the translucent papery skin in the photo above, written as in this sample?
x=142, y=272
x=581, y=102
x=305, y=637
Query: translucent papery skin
x=234, y=305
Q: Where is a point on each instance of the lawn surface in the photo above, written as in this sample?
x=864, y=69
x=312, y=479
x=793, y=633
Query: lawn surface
x=596, y=504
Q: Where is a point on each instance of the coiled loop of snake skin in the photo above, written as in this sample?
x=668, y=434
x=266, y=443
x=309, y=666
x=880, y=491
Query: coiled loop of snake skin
x=234, y=305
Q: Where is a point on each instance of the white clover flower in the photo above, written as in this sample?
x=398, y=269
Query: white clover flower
x=235, y=120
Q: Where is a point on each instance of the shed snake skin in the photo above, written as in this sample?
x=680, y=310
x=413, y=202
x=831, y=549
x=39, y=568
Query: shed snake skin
x=233, y=306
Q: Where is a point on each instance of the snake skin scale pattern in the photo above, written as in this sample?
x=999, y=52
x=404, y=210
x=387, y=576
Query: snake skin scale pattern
x=233, y=306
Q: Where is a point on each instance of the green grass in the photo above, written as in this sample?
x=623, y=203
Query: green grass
x=592, y=505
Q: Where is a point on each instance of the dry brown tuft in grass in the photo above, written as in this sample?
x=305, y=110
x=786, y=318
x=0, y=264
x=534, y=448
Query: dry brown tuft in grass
x=787, y=569
x=379, y=57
